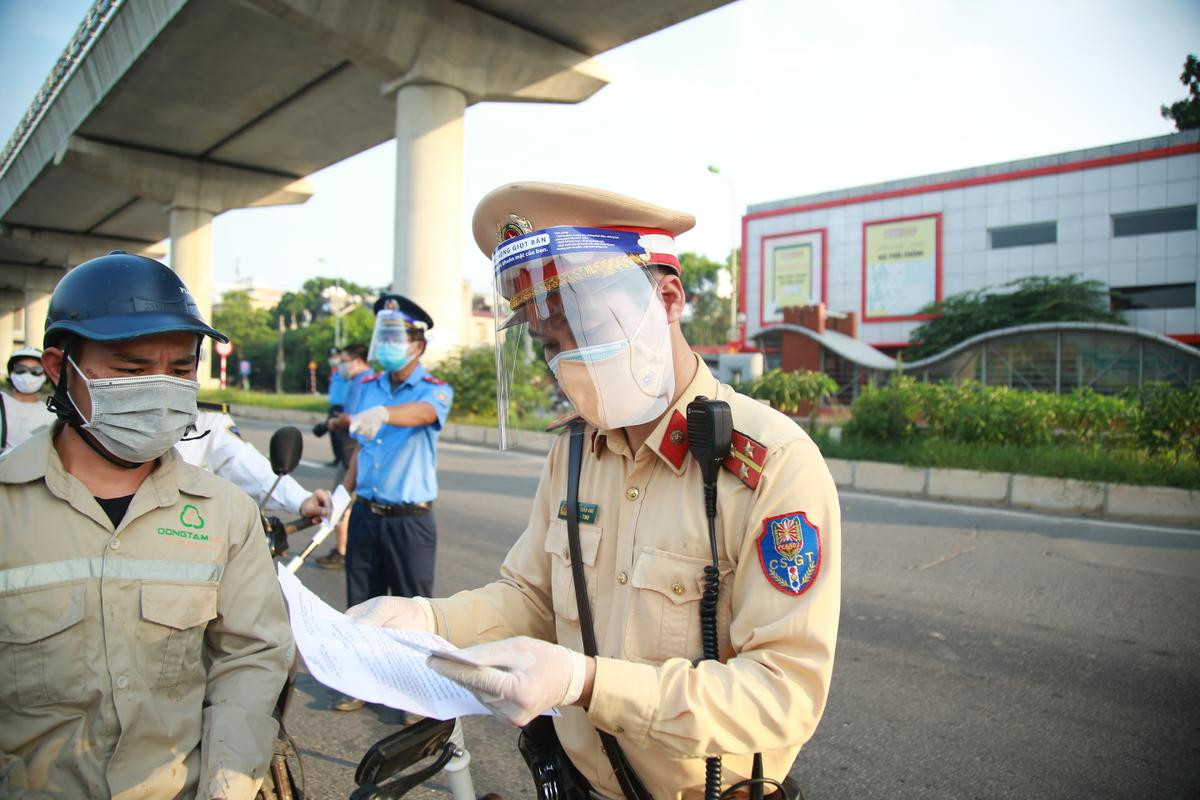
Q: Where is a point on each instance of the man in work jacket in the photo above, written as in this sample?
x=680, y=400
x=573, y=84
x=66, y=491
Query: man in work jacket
x=143, y=638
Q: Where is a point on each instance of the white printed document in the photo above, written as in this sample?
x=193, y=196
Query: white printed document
x=379, y=665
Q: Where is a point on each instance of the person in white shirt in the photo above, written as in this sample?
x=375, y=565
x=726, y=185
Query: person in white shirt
x=226, y=454
x=23, y=408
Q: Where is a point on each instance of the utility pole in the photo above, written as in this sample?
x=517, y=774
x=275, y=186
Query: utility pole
x=279, y=359
x=734, y=329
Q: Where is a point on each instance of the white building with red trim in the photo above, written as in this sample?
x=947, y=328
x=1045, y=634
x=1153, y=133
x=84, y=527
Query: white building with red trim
x=1125, y=215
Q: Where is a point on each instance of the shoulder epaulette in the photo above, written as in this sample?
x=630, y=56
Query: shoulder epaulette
x=562, y=422
x=434, y=381
x=204, y=405
x=371, y=377
x=746, y=459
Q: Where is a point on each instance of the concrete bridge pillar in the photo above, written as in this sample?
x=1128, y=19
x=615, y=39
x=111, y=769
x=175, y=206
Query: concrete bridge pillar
x=429, y=212
x=37, y=303
x=6, y=336
x=191, y=258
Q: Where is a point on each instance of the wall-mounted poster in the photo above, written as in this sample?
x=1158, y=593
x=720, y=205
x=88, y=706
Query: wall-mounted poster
x=902, y=267
x=793, y=272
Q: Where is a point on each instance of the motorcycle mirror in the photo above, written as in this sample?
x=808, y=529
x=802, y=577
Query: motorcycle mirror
x=286, y=447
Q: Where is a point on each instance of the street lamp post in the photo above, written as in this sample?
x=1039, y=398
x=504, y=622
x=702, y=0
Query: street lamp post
x=733, y=246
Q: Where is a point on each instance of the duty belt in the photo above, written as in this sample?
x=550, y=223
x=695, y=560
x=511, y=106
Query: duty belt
x=399, y=510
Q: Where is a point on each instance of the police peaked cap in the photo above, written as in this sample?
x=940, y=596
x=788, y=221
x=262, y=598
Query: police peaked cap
x=413, y=313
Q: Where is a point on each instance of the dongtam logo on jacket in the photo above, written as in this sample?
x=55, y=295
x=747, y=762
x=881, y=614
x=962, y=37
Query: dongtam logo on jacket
x=192, y=522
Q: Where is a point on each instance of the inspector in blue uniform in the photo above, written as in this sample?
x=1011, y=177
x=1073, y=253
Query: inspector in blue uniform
x=397, y=418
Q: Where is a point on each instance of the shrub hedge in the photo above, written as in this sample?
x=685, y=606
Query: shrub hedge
x=1157, y=418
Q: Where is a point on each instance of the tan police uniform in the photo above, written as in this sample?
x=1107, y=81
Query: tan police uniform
x=141, y=662
x=644, y=539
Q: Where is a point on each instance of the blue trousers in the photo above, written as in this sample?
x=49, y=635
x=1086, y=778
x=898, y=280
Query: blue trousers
x=389, y=555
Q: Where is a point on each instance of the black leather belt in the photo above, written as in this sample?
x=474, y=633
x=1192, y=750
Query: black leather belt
x=399, y=510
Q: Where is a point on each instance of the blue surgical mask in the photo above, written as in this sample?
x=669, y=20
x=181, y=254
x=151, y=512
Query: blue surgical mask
x=393, y=357
x=595, y=352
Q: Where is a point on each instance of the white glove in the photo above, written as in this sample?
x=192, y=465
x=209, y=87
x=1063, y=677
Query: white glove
x=523, y=677
x=369, y=422
x=401, y=613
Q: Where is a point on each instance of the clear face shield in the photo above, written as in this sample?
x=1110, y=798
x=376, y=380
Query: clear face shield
x=392, y=348
x=588, y=300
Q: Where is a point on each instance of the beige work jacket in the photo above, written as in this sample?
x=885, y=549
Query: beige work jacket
x=141, y=662
x=644, y=539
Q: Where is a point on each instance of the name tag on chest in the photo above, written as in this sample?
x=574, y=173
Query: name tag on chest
x=587, y=512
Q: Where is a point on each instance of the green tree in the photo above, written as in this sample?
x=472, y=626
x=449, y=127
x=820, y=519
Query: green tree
x=710, y=314
x=1185, y=113
x=252, y=333
x=1019, y=302
x=310, y=298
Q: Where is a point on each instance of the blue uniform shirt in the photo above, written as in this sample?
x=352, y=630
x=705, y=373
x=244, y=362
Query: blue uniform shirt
x=354, y=391
x=338, y=386
x=399, y=465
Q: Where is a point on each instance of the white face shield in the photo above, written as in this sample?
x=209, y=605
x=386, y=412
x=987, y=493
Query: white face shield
x=590, y=299
x=391, y=346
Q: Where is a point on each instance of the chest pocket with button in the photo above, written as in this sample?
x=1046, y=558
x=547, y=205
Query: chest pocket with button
x=664, y=612
x=562, y=582
x=171, y=634
x=42, y=640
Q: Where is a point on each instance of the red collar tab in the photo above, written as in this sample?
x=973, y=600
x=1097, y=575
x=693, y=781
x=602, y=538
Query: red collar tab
x=674, y=443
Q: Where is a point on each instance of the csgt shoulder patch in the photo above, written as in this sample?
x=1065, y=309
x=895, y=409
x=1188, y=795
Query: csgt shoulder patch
x=789, y=550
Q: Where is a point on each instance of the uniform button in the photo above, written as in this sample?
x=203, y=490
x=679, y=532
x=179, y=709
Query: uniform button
x=115, y=544
x=677, y=588
x=676, y=437
x=566, y=554
x=632, y=493
x=122, y=682
x=622, y=579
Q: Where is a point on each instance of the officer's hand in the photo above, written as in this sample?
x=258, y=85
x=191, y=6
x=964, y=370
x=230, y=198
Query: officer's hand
x=369, y=422
x=317, y=505
x=402, y=613
x=523, y=677
x=338, y=422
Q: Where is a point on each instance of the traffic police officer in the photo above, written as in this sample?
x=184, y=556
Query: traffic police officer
x=141, y=625
x=23, y=411
x=594, y=278
x=399, y=414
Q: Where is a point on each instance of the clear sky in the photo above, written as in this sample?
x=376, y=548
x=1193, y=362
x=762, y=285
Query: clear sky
x=787, y=97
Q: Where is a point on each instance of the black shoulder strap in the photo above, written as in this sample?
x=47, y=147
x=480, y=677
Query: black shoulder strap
x=3, y=424
x=631, y=785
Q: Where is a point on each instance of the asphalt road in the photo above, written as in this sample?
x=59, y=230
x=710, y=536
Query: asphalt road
x=982, y=653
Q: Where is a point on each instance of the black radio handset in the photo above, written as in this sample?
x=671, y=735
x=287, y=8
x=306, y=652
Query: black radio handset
x=710, y=434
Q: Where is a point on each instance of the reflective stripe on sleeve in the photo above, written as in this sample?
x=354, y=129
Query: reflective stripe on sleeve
x=76, y=569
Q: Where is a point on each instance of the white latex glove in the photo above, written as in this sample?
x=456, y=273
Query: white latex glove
x=401, y=613
x=316, y=506
x=369, y=422
x=523, y=677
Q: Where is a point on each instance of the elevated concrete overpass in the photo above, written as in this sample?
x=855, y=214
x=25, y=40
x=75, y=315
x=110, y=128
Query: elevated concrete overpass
x=164, y=113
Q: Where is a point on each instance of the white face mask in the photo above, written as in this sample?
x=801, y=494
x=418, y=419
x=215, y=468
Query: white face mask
x=26, y=383
x=621, y=383
x=139, y=418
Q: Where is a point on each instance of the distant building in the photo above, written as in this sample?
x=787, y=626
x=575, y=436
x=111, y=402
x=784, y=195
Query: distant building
x=261, y=294
x=873, y=256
